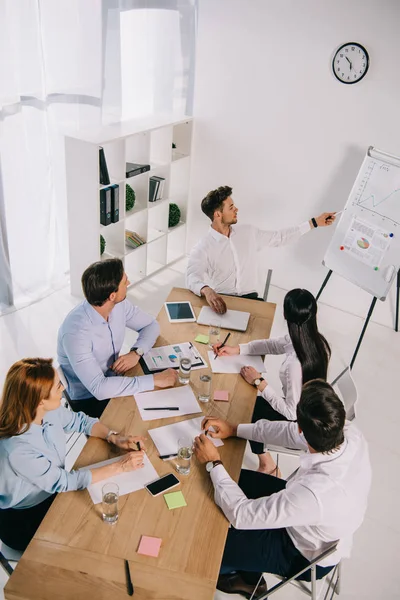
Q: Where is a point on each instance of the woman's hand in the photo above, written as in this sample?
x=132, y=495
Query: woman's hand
x=249, y=374
x=129, y=442
x=226, y=350
x=131, y=462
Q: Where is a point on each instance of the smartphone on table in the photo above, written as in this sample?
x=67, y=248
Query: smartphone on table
x=161, y=485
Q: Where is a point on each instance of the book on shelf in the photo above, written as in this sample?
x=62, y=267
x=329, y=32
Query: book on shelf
x=104, y=177
x=132, y=239
x=133, y=169
x=160, y=191
x=105, y=206
x=154, y=184
x=114, y=203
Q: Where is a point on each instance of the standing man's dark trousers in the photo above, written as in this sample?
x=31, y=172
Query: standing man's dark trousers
x=90, y=406
x=252, y=552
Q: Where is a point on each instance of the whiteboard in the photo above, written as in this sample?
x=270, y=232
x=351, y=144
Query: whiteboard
x=365, y=248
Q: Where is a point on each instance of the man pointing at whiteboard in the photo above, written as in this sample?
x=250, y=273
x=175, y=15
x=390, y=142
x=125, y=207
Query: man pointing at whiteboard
x=225, y=260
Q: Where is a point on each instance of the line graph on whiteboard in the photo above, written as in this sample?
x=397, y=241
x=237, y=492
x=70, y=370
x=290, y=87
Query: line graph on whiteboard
x=377, y=191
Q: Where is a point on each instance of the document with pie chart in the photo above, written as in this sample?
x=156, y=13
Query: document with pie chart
x=366, y=242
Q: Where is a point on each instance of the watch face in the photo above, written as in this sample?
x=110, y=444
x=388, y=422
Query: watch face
x=350, y=63
x=209, y=466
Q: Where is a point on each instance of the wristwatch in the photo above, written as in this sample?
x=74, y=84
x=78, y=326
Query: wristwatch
x=213, y=463
x=109, y=434
x=314, y=222
x=257, y=381
x=138, y=351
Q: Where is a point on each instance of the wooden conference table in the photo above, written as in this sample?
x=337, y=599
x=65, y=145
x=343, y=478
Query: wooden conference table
x=74, y=555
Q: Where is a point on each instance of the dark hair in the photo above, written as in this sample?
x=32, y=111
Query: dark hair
x=321, y=416
x=28, y=382
x=102, y=279
x=312, y=349
x=214, y=200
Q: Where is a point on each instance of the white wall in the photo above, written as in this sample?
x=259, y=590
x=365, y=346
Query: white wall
x=274, y=123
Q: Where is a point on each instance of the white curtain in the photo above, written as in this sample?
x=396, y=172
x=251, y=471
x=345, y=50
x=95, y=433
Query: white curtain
x=73, y=63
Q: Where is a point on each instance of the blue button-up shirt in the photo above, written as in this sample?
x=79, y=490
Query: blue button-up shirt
x=88, y=345
x=32, y=465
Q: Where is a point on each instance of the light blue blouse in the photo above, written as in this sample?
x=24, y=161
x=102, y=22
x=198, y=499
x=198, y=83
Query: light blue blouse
x=32, y=464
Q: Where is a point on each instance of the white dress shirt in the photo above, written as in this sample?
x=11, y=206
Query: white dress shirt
x=290, y=374
x=324, y=501
x=229, y=264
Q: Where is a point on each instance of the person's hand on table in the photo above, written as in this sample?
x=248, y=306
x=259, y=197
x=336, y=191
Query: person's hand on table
x=125, y=362
x=249, y=374
x=128, y=442
x=214, y=300
x=130, y=462
x=226, y=350
x=167, y=378
x=222, y=429
x=204, y=449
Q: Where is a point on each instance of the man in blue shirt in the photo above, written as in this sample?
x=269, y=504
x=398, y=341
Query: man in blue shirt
x=91, y=337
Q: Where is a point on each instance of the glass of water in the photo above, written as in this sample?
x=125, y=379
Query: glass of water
x=205, y=388
x=185, y=451
x=185, y=366
x=110, y=494
x=213, y=335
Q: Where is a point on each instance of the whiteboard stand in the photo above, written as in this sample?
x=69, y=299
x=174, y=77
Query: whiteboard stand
x=371, y=309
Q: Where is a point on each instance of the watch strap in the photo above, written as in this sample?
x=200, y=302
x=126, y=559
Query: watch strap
x=216, y=463
x=314, y=222
x=109, y=434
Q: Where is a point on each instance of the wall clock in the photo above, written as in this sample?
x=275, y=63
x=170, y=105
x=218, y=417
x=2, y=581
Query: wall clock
x=350, y=63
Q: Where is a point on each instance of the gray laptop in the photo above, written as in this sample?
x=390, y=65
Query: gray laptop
x=232, y=319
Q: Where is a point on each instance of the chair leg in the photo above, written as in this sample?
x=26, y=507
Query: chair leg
x=338, y=580
x=267, y=284
x=313, y=583
x=6, y=565
x=255, y=589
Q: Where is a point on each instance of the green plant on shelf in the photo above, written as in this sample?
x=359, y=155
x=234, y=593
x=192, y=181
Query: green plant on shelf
x=174, y=215
x=102, y=245
x=173, y=145
x=130, y=198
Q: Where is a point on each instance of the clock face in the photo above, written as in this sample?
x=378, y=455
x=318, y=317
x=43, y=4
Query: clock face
x=350, y=63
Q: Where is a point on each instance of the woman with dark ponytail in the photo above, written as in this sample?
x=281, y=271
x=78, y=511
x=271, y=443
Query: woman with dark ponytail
x=307, y=355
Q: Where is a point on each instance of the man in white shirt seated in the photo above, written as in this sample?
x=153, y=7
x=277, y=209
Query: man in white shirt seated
x=280, y=526
x=225, y=260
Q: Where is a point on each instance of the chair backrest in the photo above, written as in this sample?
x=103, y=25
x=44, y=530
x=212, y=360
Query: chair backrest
x=63, y=381
x=347, y=391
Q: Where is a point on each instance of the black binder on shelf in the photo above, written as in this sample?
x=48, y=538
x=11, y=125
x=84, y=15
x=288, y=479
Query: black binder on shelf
x=105, y=206
x=104, y=177
x=133, y=169
x=115, y=203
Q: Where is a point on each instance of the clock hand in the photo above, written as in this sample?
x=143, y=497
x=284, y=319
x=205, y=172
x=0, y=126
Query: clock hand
x=348, y=62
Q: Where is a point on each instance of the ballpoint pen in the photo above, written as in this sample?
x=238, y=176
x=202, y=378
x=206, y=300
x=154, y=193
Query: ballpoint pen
x=129, y=586
x=222, y=345
x=163, y=408
x=166, y=456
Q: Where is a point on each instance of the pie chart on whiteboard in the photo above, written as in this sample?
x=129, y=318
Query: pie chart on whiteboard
x=363, y=243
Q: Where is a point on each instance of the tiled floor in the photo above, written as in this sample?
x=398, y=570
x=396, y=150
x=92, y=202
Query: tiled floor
x=372, y=573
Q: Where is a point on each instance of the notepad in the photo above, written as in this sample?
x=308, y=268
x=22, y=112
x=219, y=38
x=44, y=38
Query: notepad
x=203, y=339
x=233, y=364
x=149, y=546
x=183, y=397
x=222, y=395
x=175, y=500
x=166, y=437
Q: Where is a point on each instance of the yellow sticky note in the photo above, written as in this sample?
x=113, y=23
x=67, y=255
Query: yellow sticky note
x=175, y=500
x=203, y=339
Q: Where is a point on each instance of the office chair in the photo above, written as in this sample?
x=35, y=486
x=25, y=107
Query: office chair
x=347, y=389
x=332, y=579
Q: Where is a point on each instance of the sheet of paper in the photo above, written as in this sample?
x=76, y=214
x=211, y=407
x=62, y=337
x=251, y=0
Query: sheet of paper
x=166, y=357
x=149, y=546
x=203, y=339
x=178, y=396
x=233, y=364
x=127, y=482
x=221, y=395
x=175, y=500
x=366, y=242
x=166, y=437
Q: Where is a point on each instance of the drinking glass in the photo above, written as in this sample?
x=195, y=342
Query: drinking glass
x=185, y=366
x=205, y=388
x=185, y=451
x=213, y=335
x=110, y=494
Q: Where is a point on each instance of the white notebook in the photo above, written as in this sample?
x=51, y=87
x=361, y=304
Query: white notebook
x=233, y=364
x=232, y=319
x=183, y=397
x=166, y=437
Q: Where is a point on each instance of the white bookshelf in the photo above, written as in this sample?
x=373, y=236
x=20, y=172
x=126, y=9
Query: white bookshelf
x=145, y=141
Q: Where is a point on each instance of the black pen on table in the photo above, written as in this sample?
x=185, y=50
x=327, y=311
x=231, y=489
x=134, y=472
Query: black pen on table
x=222, y=345
x=129, y=586
x=163, y=408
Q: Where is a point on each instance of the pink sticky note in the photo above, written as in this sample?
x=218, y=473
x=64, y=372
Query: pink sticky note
x=222, y=395
x=150, y=546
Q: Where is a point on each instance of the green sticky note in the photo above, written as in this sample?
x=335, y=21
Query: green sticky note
x=175, y=500
x=203, y=339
